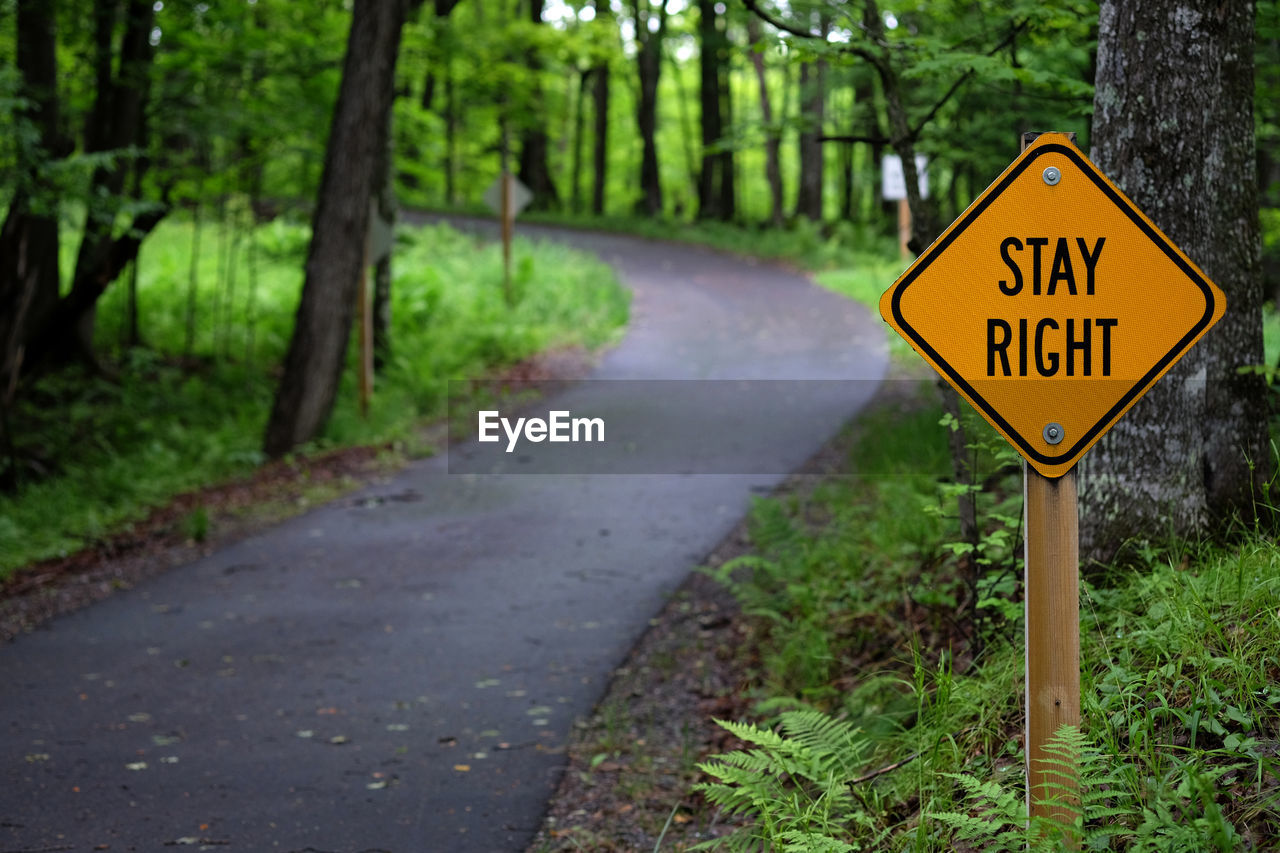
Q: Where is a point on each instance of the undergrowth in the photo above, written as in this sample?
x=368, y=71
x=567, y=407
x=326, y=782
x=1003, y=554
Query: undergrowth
x=884, y=721
x=189, y=409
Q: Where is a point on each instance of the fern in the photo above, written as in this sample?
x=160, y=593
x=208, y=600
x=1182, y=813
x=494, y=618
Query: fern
x=1104, y=807
x=1086, y=791
x=795, y=784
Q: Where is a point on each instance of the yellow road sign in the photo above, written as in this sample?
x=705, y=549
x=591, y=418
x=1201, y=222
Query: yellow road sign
x=1052, y=304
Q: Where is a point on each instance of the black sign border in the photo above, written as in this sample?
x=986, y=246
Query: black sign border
x=1139, y=388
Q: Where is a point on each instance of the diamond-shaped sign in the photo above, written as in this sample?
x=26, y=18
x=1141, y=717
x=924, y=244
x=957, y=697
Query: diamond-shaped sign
x=520, y=195
x=1052, y=304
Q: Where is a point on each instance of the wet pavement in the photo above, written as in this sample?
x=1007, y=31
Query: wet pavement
x=399, y=670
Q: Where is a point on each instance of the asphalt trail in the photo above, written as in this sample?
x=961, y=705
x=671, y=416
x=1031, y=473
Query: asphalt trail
x=399, y=670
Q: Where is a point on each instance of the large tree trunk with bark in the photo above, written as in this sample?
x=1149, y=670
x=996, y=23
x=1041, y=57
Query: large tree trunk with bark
x=813, y=99
x=384, y=194
x=579, y=126
x=1173, y=126
x=600, y=109
x=772, y=133
x=117, y=121
x=534, y=171
x=29, y=235
x=649, y=66
x=357, y=140
x=115, y=124
x=710, y=58
x=648, y=59
x=728, y=185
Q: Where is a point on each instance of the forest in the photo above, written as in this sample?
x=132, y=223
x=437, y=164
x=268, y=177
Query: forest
x=248, y=241
x=170, y=156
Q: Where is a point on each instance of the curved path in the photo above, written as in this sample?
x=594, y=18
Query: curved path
x=399, y=671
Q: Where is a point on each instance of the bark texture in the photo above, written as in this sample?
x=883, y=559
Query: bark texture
x=600, y=117
x=649, y=66
x=1173, y=126
x=116, y=122
x=29, y=236
x=813, y=100
x=357, y=139
x=773, y=134
x=717, y=168
x=535, y=172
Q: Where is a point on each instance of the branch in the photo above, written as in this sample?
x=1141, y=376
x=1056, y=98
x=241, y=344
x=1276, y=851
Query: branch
x=870, y=140
x=955, y=87
x=86, y=289
x=778, y=24
x=888, y=768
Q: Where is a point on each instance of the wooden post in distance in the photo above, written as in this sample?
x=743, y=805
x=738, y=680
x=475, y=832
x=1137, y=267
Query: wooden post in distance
x=364, y=316
x=904, y=228
x=506, y=215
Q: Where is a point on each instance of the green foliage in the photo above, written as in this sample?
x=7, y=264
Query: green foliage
x=798, y=782
x=1181, y=715
x=1087, y=791
x=103, y=452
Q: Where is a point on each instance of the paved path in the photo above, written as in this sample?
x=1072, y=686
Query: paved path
x=398, y=671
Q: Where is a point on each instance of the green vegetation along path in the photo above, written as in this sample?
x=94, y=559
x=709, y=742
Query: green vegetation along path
x=398, y=671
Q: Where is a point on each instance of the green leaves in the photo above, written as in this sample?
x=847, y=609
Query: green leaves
x=796, y=784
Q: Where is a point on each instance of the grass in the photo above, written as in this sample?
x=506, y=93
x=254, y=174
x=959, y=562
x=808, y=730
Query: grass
x=101, y=452
x=858, y=593
x=843, y=245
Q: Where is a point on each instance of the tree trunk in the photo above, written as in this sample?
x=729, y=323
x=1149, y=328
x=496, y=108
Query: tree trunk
x=600, y=139
x=384, y=193
x=647, y=58
x=116, y=123
x=773, y=135
x=813, y=96
x=687, y=137
x=649, y=66
x=357, y=139
x=1173, y=126
x=534, y=171
x=728, y=186
x=29, y=235
x=710, y=56
x=450, y=136
x=579, y=126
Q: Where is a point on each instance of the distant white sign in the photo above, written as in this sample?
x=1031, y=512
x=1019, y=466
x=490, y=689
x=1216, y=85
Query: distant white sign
x=520, y=196
x=893, y=184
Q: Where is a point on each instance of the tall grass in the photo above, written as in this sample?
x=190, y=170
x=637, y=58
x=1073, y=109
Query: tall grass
x=99, y=452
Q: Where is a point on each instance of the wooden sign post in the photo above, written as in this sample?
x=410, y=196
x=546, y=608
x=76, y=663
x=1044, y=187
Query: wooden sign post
x=504, y=213
x=893, y=187
x=507, y=197
x=1052, y=305
x=1051, y=598
x=904, y=228
x=364, y=321
x=378, y=240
